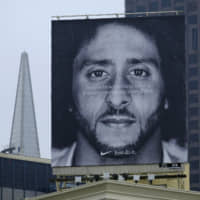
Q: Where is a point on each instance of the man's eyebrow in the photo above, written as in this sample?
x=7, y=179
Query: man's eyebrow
x=143, y=60
x=89, y=62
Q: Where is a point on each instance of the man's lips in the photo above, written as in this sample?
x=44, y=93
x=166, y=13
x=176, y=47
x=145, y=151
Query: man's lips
x=117, y=120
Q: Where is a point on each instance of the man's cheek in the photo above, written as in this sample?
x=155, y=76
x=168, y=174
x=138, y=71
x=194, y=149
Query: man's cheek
x=90, y=104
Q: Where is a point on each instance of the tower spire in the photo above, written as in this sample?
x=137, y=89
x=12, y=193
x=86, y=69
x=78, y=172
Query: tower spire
x=24, y=137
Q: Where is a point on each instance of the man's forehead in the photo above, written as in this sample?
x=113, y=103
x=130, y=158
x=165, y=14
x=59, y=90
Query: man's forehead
x=117, y=40
x=117, y=28
x=120, y=32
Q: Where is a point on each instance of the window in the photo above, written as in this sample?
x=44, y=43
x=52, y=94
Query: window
x=29, y=176
x=7, y=175
x=179, y=8
x=178, y=1
x=194, y=38
x=140, y=9
x=165, y=3
x=193, y=71
x=194, y=111
x=193, y=85
x=194, y=164
x=192, y=19
x=153, y=6
x=192, y=6
x=194, y=151
x=194, y=178
x=193, y=98
x=192, y=59
x=19, y=174
x=193, y=125
x=194, y=138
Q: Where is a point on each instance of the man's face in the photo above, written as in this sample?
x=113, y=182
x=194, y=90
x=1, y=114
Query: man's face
x=117, y=87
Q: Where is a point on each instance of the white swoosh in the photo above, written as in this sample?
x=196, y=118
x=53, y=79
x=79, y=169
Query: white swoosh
x=105, y=153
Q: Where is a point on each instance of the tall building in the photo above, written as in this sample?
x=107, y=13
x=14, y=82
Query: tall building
x=191, y=9
x=24, y=137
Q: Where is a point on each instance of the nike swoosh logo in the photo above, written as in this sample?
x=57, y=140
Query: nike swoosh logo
x=105, y=153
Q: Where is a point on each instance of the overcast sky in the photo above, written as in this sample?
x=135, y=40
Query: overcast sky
x=25, y=26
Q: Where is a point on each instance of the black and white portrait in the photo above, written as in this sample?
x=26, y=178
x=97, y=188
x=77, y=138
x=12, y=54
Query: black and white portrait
x=118, y=91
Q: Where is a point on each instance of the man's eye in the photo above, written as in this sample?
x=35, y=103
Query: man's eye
x=139, y=73
x=97, y=75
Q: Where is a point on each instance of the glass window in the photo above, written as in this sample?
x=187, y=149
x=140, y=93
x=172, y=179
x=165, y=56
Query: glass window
x=192, y=6
x=19, y=174
x=194, y=151
x=194, y=188
x=140, y=9
x=193, y=85
x=193, y=98
x=194, y=38
x=194, y=178
x=130, y=5
x=192, y=19
x=194, y=111
x=192, y=59
x=42, y=178
x=194, y=138
x=193, y=71
x=7, y=175
x=153, y=6
x=1, y=173
x=179, y=8
x=194, y=164
x=178, y=1
x=29, y=176
x=165, y=3
x=193, y=125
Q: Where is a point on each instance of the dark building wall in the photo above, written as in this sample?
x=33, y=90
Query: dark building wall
x=19, y=179
x=191, y=10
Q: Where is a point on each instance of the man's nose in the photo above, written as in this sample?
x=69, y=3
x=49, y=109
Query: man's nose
x=118, y=95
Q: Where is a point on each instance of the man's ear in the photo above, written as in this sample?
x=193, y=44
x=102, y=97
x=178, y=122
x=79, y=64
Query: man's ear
x=166, y=104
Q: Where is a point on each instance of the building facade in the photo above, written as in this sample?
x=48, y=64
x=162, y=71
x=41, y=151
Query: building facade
x=191, y=10
x=117, y=190
x=22, y=177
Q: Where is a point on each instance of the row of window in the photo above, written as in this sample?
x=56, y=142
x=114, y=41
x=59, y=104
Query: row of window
x=178, y=5
x=24, y=175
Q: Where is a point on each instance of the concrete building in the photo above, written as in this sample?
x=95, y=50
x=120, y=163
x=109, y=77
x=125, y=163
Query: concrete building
x=118, y=190
x=191, y=10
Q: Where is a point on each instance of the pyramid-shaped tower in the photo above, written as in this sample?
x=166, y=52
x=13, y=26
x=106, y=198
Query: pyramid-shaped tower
x=24, y=137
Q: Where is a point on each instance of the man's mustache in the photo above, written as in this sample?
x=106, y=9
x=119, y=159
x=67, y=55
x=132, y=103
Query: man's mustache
x=117, y=112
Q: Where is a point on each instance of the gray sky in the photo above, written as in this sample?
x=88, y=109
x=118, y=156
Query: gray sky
x=25, y=26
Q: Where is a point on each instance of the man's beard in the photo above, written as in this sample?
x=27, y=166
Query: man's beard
x=130, y=149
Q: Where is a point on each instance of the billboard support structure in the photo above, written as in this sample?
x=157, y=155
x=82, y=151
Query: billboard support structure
x=118, y=15
x=177, y=178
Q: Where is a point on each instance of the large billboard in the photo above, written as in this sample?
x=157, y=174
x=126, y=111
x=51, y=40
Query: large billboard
x=118, y=91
